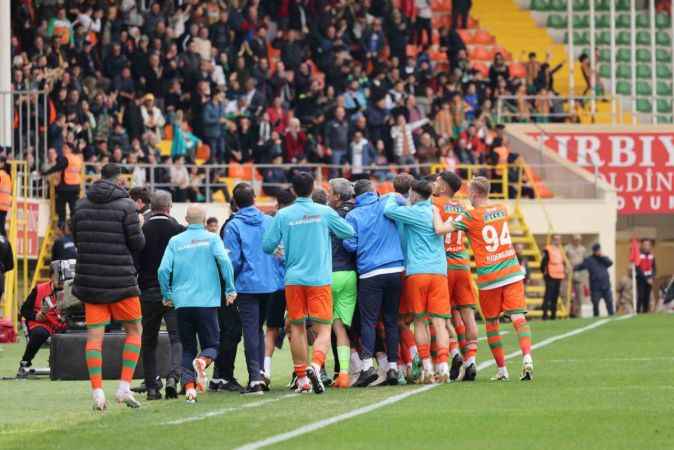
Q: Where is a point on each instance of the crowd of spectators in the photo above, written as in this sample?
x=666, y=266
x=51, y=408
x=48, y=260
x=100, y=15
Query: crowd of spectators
x=262, y=81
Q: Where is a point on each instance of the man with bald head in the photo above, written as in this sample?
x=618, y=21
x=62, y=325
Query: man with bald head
x=189, y=277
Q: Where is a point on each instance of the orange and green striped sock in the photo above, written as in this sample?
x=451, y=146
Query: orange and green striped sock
x=471, y=351
x=494, y=340
x=301, y=370
x=524, y=334
x=434, y=344
x=460, y=328
x=130, y=353
x=94, y=356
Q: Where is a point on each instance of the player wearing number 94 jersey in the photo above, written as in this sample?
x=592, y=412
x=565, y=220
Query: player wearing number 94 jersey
x=499, y=275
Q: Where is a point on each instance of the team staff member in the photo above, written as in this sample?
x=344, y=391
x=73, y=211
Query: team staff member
x=5, y=193
x=70, y=165
x=645, y=276
x=64, y=246
x=159, y=228
x=552, y=266
x=107, y=233
x=304, y=230
x=189, y=276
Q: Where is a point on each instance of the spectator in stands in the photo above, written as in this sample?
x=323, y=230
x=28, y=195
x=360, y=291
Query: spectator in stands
x=498, y=69
x=600, y=283
x=159, y=228
x=70, y=165
x=361, y=153
x=337, y=139
x=403, y=139
x=180, y=179
x=590, y=72
x=553, y=268
x=646, y=272
x=461, y=13
x=423, y=21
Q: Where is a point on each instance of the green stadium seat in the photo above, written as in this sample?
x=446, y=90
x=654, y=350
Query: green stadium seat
x=604, y=54
x=540, y=5
x=643, y=38
x=581, y=5
x=623, y=38
x=662, y=39
x=579, y=38
x=602, y=21
x=643, y=20
x=623, y=88
x=644, y=106
x=663, y=88
x=643, y=55
x=664, y=106
x=603, y=38
x=556, y=21
x=662, y=20
x=644, y=88
x=623, y=55
x=663, y=71
x=623, y=21
x=581, y=21
x=623, y=71
x=622, y=5
x=605, y=71
x=663, y=56
x=601, y=5
x=644, y=71
x=665, y=119
x=558, y=5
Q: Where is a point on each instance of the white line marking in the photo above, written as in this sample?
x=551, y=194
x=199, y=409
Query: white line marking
x=219, y=412
x=628, y=316
x=484, y=338
x=396, y=398
x=657, y=358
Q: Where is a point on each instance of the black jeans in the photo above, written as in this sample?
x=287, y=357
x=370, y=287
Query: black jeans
x=460, y=13
x=598, y=294
x=643, y=296
x=63, y=197
x=36, y=339
x=230, y=336
x=424, y=25
x=252, y=310
x=153, y=313
x=201, y=323
x=552, y=286
x=379, y=296
x=3, y=220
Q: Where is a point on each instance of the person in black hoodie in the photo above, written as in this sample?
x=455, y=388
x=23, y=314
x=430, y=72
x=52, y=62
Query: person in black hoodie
x=107, y=233
x=159, y=228
x=600, y=283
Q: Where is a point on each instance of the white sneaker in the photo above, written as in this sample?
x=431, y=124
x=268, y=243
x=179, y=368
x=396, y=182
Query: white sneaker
x=303, y=386
x=426, y=378
x=126, y=397
x=527, y=368
x=99, y=400
x=442, y=377
x=191, y=395
x=501, y=375
x=381, y=377
x=202, y=379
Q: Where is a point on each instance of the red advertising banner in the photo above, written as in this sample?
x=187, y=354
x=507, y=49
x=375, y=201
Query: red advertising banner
x=639, y=165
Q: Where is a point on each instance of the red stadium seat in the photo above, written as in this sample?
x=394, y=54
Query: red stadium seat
x=517, y=70
x=483, y=37
x=480, y=67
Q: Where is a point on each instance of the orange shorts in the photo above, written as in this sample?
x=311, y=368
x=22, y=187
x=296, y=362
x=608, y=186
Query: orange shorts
x=508, y=299
x=99, y=315
x=405, y=303
x=309, y=302
x=428, y=295
x=460, y=286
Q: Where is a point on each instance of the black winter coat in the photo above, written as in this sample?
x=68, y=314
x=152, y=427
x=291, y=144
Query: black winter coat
x=107, y=233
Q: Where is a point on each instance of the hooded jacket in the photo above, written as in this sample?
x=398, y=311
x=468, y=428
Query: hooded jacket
x=255, y=271
x=107, y=233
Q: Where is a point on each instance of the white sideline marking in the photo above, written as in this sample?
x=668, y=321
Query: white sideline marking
x=396, y=398
x=219, y=412
x=484, y=338
x=655, y=358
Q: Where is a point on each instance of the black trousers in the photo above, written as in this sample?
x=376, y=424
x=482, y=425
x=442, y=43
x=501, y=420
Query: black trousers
x=550, y=297
x=596, y=295
x=36, y=339
x=201, y=323
x=252, y=311
x=230, y=336
x=153, y=313
x=379, y=296
x=63, y=197
x=3, y=220
x=643, y=296
x=460, y=13
x=424, y=25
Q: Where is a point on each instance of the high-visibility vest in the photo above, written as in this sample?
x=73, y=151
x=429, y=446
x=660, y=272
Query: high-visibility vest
x=5, y=191
x=73, y=173
x=555, y=262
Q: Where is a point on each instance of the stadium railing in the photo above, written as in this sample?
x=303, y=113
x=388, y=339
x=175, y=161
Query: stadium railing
x=562, y=108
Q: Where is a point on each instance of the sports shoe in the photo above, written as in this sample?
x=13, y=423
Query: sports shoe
x=381, y=377
x=457, y=363
x=527, y=371
x=342, y=381
x=293, y=382
x=366, y=377
x=426, y=378
x=302, y=385
x=216, y=384
x=99, y=400
x=470, y=373
x=401, y=378
x=201, y=381
x=191, y=395
x=231, y=386
x=266, y=378
x=501, y=375
x=153, y=394
x=255, y=388
x=325, y=379
x=315, y=379
x=127, y=398
x=24, y=370
x=442, y=377
x=171, y=390
x=417, y=367
x=392, y=377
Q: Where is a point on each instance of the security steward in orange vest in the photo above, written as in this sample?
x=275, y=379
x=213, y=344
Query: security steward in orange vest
x=553, y=270
x=5, y=193
x=70, y=165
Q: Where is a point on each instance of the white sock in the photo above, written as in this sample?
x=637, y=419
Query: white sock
x=393, y=366
x=443, y=367
x=367, y=364
x=455, y=352
x=469, y=361
x=382, y=360
x=267, y=366
x=124, y=386
x=428, y=364
x=527, y=359
x=503, y=370
x=255, y=383
x=356, y=362
x=218, y=380
x=98, y=393
x=413, y=351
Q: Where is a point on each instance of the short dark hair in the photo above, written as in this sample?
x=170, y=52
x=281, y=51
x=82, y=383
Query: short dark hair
x=363, y=186
x=402, y=183
x=303, y=184
x=320, y=196
x=285, y=197
x=423, y=188
x=211, y=220
x=140, y=193
x=453, y=180
x=110, y=171
x=244, y=195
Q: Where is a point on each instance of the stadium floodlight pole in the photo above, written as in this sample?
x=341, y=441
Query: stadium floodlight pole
x=593, y=63
x=572, y=58
x=654, y=109
x=633, y=57
x=5, y=74
x=612, y=65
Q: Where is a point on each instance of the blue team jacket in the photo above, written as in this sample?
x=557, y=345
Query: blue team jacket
x=304, y=230
x=189, y=273
x=254, y=270
x=377, y=243
x=425, y=251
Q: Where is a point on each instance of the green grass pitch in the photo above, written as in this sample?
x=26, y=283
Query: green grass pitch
x=608, y=387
